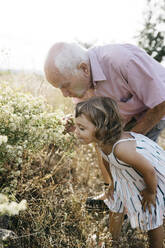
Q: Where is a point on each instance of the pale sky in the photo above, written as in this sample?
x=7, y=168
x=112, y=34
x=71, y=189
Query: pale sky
x=29, y=27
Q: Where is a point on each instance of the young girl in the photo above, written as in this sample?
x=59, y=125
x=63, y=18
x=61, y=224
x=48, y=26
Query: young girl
x=135, y=164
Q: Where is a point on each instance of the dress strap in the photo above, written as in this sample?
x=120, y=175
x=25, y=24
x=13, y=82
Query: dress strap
x=122, y=140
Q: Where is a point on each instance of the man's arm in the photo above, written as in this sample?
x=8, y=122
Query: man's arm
x=145, y=77
x=150, y=119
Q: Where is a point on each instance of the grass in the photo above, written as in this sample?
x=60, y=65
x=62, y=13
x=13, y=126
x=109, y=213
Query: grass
x=56, y=189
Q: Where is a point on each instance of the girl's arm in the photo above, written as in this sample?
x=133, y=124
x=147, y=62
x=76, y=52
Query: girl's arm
x=110, y=188
x=103, y=165
x=126, y=151
x=107, y=171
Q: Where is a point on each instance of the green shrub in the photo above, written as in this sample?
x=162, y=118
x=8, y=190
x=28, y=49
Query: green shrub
x=27, y=125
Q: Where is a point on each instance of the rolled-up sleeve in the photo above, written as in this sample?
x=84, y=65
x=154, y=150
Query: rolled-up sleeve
x=146, y=78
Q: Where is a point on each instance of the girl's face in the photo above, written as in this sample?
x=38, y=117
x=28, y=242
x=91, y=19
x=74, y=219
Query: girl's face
x=85, y=130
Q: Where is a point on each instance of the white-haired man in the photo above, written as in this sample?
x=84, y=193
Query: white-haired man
x=123, y=72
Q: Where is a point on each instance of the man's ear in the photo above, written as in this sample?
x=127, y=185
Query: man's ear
x=84, y=67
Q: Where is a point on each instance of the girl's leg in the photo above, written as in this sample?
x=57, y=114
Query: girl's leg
x=116, y=220
x=156, y=237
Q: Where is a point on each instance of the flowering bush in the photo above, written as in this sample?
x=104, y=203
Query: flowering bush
x=26, y=126
x=54, y=183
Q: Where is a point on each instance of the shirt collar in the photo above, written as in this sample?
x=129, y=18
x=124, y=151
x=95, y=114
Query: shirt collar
x=97, y=72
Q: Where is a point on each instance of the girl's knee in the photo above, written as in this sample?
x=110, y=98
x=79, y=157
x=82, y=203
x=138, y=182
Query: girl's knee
x=156, y=237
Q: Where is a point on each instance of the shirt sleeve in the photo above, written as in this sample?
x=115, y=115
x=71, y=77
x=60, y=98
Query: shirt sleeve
x=146, y=78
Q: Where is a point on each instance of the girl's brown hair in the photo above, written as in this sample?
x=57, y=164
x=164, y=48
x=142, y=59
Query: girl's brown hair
x=104, y=114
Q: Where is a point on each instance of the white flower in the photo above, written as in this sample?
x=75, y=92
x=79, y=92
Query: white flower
x=12, y=208
x=27, y=117
x=3, y=139
x=93, y=237
x=23, y=205
x=3, y=208
x=3, y=198
x=9, y=147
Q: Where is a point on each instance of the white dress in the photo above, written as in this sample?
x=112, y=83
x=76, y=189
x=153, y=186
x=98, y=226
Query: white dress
x=128, y=183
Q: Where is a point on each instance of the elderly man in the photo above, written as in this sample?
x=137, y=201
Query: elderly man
x=121, y=71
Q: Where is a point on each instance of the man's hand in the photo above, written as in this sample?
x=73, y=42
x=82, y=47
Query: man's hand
x=148, y=199
x=69, y=124
x=150, y=119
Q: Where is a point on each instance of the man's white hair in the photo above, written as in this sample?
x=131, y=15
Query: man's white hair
x=69, y=57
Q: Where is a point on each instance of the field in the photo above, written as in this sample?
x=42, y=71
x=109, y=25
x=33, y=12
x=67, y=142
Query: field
x=56, y=186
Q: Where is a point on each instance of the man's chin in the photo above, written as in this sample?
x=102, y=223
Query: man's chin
x=80, y=95
x=76, y=96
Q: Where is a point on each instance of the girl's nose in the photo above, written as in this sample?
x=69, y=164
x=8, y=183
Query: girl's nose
x=76, y=131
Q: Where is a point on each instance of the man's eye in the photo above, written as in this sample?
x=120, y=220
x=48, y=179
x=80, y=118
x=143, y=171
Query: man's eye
x=65, y=86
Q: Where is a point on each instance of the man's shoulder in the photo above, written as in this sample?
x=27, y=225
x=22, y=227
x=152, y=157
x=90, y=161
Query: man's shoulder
x=113, y=52
x=125, y=47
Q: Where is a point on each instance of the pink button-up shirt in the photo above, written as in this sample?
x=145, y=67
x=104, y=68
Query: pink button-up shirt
x=128, y=75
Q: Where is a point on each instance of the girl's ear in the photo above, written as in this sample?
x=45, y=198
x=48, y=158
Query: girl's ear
x=95, y=134
x=99, y=134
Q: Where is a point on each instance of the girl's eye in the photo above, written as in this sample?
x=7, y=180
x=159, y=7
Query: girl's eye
x=81, y=128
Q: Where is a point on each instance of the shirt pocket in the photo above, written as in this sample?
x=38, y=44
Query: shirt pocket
x=127, y=98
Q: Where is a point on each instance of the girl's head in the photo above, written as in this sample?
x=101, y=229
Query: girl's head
x=98, y=120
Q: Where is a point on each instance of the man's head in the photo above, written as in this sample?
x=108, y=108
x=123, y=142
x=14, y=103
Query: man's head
x=67, y=67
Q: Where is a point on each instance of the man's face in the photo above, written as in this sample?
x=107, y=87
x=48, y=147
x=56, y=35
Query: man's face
x=73, y=85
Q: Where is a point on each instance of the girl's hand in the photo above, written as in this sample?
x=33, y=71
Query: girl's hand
x=69, y=124
x=148, y=199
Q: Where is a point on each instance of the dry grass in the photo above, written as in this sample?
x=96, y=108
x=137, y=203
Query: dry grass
x=56, y=216
x=56, y=189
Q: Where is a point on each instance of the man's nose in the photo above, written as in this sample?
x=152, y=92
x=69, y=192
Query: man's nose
x=65, y=92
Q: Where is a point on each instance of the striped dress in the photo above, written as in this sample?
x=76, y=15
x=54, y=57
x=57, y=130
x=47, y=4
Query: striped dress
x=128, y=184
